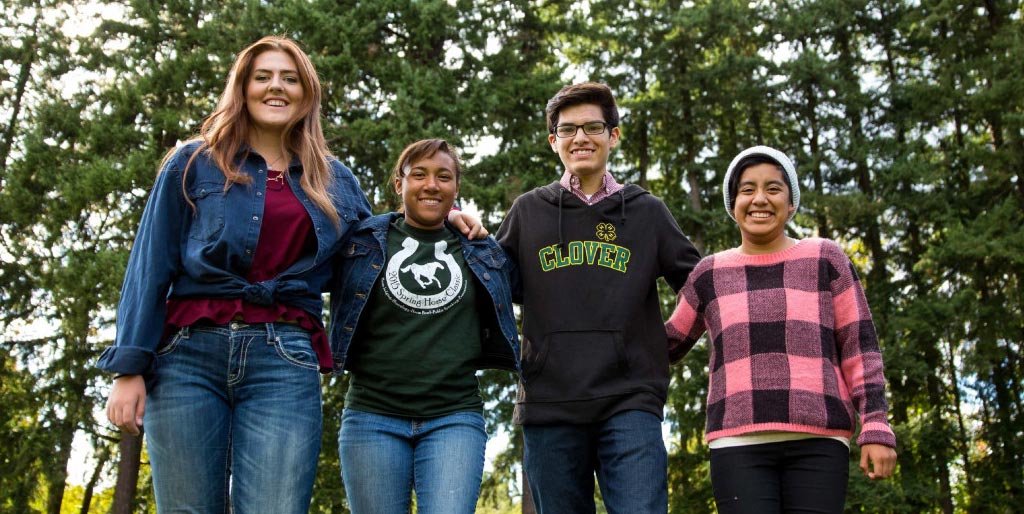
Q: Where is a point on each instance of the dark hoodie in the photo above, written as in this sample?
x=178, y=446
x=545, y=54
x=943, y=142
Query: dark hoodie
x=594, y=341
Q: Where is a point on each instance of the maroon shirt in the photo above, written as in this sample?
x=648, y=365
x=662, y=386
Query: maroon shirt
x=286, y=235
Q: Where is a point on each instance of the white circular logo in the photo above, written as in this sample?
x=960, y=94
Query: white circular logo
x=428, y=295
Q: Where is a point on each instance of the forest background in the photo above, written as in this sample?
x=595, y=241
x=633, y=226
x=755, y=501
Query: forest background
x=906, y=120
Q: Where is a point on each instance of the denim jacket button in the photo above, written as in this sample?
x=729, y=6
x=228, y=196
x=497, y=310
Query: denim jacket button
x=360, y=295
x=255, y=218
x=375, y=266
x=487, y=276
x=348, y=329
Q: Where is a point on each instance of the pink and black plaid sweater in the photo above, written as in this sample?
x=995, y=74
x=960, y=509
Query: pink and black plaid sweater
x=793, y=345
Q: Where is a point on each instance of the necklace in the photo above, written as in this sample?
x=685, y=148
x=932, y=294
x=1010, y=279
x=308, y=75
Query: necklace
x=275, y=180
x=270, y=164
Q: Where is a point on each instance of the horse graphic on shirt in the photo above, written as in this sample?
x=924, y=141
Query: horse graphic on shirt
x=450, y=287
x=424, y=273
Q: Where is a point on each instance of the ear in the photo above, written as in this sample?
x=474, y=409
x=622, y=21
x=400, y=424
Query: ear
x=398, y=186
x=613, y=137
x=551, y=141
x=790, y=210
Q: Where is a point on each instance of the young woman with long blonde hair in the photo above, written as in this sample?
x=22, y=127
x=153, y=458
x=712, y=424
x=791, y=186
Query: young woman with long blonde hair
x=220, y=342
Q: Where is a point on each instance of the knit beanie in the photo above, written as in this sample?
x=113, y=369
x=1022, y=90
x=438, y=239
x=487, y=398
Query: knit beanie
x=787, y=166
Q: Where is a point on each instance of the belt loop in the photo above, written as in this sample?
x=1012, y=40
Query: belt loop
x=272, y=334
x=184, y=332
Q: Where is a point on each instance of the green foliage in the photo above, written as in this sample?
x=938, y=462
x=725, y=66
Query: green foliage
x=906, y=120
x=75, y=495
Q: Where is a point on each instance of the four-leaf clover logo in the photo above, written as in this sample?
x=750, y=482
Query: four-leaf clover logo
x=606, y=232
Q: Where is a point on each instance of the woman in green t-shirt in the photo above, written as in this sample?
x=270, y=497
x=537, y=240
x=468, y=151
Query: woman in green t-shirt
x=424, y=309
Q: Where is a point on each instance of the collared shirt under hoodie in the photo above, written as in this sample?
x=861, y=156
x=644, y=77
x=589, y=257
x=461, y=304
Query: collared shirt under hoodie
x=573, y=184
x=594, y=342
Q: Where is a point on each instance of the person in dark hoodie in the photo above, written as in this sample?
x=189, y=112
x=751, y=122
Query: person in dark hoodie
x=595, y=361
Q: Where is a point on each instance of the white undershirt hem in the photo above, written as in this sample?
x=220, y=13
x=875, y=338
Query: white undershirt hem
x=769, y=437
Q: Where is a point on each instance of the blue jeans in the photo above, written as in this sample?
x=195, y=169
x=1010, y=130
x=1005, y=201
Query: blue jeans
x=626, y=451
x=805, y=476
x=383, y=458
x=233, y=420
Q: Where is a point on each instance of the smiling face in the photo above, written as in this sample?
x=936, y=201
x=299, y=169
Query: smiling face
x=428, y=190
x=273, y=92
x=584, y=155
x=761, y=208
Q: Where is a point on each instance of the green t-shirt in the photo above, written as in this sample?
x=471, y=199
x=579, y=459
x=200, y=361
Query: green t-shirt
x=414, y=353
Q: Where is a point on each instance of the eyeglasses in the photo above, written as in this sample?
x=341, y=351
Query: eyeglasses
x=590, y=128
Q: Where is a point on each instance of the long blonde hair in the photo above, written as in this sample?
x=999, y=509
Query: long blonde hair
x=225, y=131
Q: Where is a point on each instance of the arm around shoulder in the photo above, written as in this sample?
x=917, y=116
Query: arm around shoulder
x=508, y=238
x=351, y=193
x=678, y=256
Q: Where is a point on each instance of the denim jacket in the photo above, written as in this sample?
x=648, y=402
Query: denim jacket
x=359, y=265
x=205, y=252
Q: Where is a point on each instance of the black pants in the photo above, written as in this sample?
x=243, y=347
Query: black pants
x=805, y=476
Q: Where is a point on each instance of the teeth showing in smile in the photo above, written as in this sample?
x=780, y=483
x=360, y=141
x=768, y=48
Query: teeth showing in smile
x=431, y=201
x=760, y=215
x=276, y=103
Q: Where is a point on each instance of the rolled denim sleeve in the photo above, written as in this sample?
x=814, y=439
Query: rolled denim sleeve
x=154, y=262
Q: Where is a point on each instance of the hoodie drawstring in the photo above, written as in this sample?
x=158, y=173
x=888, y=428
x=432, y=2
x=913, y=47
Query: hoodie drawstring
x=561, y=241
x=622, y=198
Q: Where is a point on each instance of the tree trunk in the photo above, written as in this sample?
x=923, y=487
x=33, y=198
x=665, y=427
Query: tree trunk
x=814, y=142
x=127, y=474
x=93, y=480
x=935, y=397
x=57, y=469
x=964, y=443
x=25, y=72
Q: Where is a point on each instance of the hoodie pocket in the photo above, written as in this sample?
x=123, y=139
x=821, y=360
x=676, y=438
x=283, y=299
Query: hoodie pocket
x=576, y=365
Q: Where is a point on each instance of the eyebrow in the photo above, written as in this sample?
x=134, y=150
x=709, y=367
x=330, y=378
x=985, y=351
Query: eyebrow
x=773, y=181
x=267, y=70
x=424, y=168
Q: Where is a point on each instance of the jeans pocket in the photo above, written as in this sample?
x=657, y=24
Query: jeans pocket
x=296, y=348
x=171, y=345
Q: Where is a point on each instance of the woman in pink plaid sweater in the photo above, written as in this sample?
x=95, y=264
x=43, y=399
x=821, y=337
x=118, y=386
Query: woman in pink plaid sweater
x=794, y=354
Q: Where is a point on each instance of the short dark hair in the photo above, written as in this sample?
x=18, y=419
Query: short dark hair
x=750, y=161
x=424, y=149
x=582, y=93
